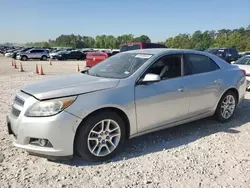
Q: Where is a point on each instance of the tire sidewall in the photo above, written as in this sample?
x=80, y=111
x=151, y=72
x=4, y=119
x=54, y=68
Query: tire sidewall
x=44, y=58
x=81, y=141
x=218, y=110
x=24, y=58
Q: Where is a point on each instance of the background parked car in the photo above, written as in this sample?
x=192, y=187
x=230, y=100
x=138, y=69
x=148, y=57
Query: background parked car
x=228, y=54
x=15, y=54
x=10, y=52
x=97, y=57
x=245, y=54
x=140, y=45
x=34, y=53
x=244, y=64
x=77, y=55
x=54, y=53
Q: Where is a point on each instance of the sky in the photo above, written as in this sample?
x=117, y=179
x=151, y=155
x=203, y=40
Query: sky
x=39, y=20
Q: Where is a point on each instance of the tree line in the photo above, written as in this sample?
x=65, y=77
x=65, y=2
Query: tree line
x=238, y=38
x=101, y=41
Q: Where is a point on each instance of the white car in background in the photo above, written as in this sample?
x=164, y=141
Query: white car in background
x=54, y=53
x=9, y=53
x=244, y=64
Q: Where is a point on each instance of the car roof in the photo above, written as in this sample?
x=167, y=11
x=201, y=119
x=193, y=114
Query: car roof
x=160, y=51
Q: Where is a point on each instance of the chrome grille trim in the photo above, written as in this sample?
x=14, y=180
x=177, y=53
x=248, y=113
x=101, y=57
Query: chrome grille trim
x=17, y=106
x=15, y=111
x=19, y=101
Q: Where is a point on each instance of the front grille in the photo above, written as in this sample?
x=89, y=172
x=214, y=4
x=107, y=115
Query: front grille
x=19, y=101
x=17, y=106
x=15, y=112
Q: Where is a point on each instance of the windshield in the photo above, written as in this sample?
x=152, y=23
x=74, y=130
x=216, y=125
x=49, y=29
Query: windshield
x=64, y=52
x=119, y=66
x=243, y=61
x=130, y=47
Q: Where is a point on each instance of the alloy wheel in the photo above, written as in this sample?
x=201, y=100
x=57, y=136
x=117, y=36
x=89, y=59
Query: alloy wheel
x=104, y=137
x=228, y=106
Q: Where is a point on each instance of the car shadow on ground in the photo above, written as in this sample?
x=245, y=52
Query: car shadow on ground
x=174, y=137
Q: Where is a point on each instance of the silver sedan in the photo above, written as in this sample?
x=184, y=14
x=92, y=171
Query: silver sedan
x=90, y=114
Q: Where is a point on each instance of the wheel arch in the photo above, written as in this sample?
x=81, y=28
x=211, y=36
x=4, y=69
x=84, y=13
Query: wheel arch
x=120, y=112
x=24, y=56
x=233, y=89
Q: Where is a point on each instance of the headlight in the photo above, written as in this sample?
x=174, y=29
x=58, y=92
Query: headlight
x=49, y=107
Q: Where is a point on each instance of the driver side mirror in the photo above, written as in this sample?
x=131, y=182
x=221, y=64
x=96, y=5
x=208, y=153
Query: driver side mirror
x=150, y=78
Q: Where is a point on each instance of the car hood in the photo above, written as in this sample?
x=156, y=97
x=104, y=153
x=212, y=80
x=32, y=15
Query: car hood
x=68, y=85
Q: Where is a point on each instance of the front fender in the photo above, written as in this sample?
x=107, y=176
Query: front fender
x=121, y=98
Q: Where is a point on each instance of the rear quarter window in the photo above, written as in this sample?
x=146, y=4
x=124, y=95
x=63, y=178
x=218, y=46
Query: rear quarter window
x=152, y=45
x=200, y=63
x=130, y=47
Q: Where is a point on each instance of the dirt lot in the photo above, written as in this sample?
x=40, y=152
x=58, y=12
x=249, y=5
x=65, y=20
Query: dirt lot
x=200, y=154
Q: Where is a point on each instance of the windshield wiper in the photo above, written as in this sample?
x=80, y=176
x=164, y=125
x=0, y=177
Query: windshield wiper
x=97, y=75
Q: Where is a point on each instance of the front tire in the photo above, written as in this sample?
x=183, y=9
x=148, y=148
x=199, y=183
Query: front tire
x=226, y=107
x=24, y=58
x=100, y=136
x=44, y=58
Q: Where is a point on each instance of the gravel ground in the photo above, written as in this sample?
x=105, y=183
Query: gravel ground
x=204, y=153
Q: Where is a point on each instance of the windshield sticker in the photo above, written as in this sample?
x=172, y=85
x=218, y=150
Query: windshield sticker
x=143, y=56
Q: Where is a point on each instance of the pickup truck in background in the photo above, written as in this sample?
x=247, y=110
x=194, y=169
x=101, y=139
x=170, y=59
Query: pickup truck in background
x=93, y=58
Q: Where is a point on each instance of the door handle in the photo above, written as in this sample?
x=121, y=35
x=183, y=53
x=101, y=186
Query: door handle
x=182, y=89
x=217, y=81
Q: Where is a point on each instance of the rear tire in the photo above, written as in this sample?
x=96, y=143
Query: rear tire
x=100, y=136
x=226, y=107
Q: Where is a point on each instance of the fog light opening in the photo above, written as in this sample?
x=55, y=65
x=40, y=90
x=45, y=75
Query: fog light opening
x=40, y=142
x=43, y=142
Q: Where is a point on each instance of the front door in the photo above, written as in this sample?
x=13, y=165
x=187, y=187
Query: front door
x=32, y=54
x=166, y=101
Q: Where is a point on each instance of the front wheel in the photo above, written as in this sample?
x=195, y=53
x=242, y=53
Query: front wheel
x=226, y=107
x=44, y=58
x=100, y=136
x=24, y=58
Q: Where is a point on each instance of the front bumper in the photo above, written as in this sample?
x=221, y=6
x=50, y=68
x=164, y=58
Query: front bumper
x=59, y=130
x=18, y=57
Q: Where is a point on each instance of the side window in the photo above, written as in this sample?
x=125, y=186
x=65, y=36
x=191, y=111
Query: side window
x=33, y=51
x=200, y=64
x=248, y=62
x=167, y=67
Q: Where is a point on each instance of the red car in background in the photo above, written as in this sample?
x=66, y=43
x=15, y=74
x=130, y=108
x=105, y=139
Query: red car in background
x=94, y=58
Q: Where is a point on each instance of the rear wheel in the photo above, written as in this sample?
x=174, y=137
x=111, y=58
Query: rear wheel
x=226, y=107
x=100, y=136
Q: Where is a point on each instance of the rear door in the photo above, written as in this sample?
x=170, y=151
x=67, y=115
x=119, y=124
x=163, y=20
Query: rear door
x=204, y=80
x=39, y=54
x=70, y=55
x=78, y=55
